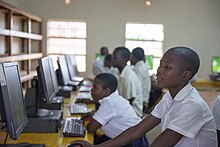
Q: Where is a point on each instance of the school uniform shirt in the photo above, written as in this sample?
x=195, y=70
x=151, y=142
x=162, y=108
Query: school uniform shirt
x=98, y=66
x=216, y=112
x=140, y=68
x=129, y=86
x=113, y=71
x=115, y=114
x=189, y=115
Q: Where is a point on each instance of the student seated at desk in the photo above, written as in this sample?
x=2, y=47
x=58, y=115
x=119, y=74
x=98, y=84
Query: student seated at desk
x=216, y=114
x=185, y=117
x=114, y=114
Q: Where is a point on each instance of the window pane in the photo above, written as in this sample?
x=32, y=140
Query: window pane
x=66, y=29
x=144, y=32
x=150, y=47
x=67, y=46
x=81, y=63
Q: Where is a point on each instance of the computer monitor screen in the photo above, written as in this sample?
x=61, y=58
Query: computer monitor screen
x=53, y=76
x=149, y=61
x=12, y=105
x=64, y=69
x=71, y=69
x=216, y=65
x=44, y=76
x=98, y=56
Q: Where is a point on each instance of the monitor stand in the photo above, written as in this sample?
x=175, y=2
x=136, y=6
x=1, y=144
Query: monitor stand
x=23, y=144
x=46, y=121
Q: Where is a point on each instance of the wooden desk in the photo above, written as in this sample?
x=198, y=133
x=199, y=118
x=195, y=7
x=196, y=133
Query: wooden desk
x=207, y=84
x=51, y=139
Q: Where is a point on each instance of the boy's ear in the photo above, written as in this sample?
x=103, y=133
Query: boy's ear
x=107, y=91
x=187, y=74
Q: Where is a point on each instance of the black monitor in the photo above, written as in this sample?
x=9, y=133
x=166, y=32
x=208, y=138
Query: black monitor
x=215, y=65
x=53, y=75
x=64, y=69
x=70, y=66
x=45, y=80
x=149, y=61
x=12, y=104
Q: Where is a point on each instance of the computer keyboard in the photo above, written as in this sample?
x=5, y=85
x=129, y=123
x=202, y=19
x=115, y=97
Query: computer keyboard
x=84, y=88
x=73, y=127
x=78, y=108
x=84, y=95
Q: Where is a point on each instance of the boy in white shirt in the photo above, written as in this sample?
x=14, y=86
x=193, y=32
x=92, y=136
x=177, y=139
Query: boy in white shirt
x=185, y=117
x=141, y=69
x=114, y=114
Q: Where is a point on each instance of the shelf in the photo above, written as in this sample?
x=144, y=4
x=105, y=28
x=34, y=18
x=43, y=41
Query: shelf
x=21, y=38
x=16, y=11
x=27, y=77
x=6, y=32
x=21, y=57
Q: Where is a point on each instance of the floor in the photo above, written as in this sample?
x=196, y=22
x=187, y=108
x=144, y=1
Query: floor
x=208, y=95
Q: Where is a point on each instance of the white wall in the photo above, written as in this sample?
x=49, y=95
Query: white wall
x=193, y=23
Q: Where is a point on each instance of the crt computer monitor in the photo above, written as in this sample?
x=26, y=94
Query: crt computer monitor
x=215, y=65
x=45, y=80
x=149, y=61
x=12, y=104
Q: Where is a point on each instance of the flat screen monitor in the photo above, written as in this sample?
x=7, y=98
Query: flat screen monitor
x=98, y=56
x=215, y=65
x=44, y=76
x=12, y=104
x=53, y=75
x=149, y=61
x=72, y=72
x=64, y=69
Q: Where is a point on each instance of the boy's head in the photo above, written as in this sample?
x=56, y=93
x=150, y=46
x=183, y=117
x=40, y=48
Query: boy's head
x=121, y=55
x=177, y=67
x=103, y=85
x=137, y=55
x=104, y=51
x=108, y=61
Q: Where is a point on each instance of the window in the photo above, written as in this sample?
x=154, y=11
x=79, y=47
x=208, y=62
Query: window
x=67, y=37
x=148, y=36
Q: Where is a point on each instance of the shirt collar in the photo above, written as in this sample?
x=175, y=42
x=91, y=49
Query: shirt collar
x=125, y=70
x=182, y=93
x=111, y=95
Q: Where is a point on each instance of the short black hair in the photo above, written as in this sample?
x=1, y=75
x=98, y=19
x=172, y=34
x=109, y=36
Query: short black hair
x=124, y=52
x=104, y=50
x=108, y=81
x=138, y=53
x=190, y=57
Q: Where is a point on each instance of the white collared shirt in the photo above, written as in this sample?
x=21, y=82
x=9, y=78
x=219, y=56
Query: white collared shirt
x=216, y=112
x=140, y=68
x=129, y=86
x=98, y=66
x=189, y=115
x=115, y=114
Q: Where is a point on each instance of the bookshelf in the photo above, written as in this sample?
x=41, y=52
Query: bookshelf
x=20, y=39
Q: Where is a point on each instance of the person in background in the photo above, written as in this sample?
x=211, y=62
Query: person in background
x=185, y=117
x=129, y=85
x=98, y=65
x=216, y=114
x=141, y=69
x=114, y=114
x=108, y=66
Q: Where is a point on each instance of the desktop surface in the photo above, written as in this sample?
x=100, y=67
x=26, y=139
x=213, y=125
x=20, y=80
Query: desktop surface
x=51, y=139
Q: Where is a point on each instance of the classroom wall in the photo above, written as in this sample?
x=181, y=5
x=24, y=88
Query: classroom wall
x=193, y=23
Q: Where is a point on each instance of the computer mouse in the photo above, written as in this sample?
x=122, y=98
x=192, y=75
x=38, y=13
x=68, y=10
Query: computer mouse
x=75, y=145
